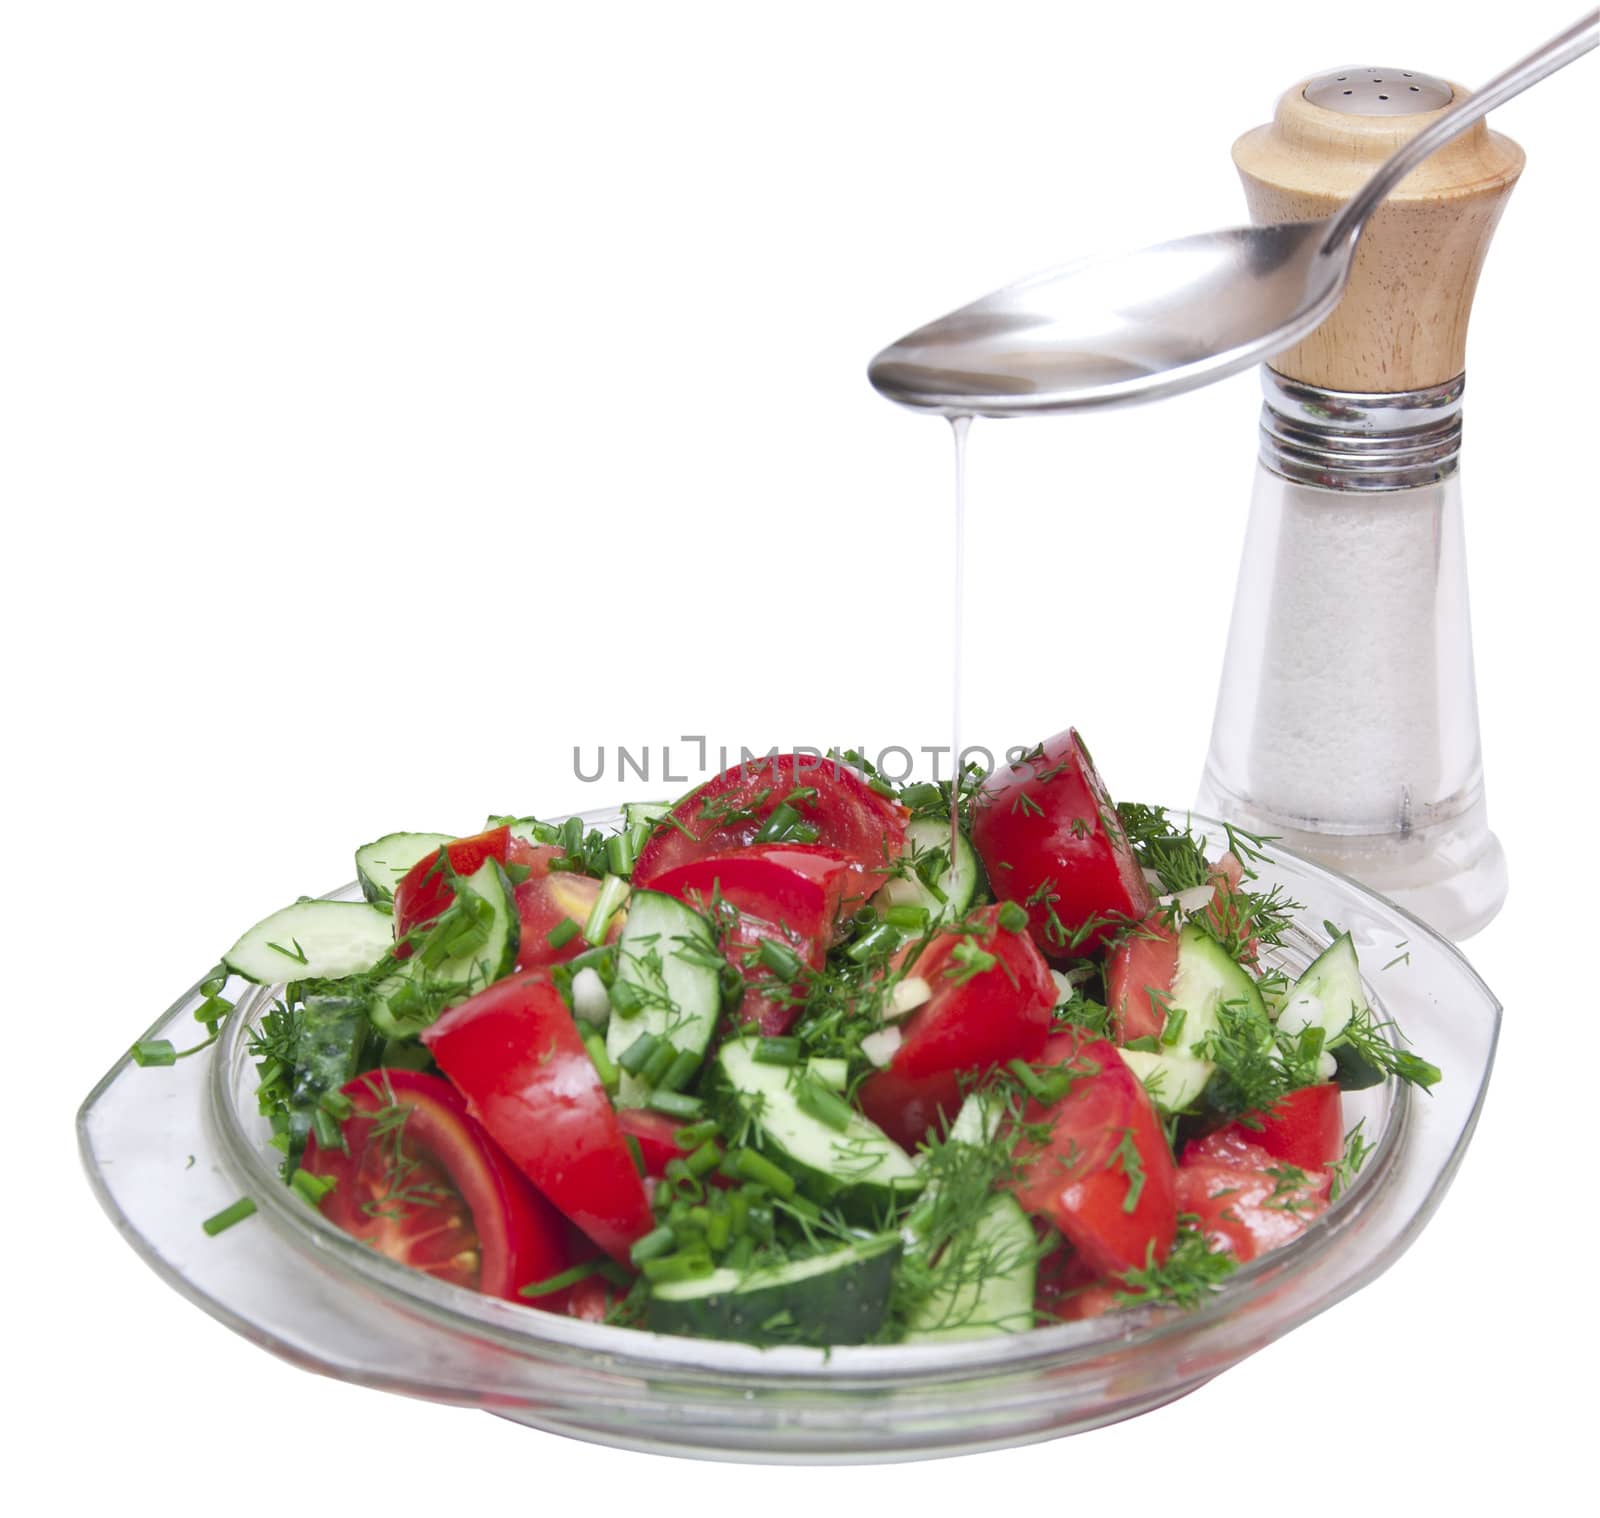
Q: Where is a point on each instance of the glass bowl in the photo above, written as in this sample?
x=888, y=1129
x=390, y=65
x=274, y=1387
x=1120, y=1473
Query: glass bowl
x=166, y=1148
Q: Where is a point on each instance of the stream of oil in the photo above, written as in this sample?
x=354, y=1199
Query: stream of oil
x=959, y=427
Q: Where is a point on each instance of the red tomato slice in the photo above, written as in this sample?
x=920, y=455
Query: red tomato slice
x=425, y=891
x=788, y=893
x=971, y=1023
x=515, y=1053
x=1246, y=1208
x=727, y=813
x=1048, y=836
x=1306, y=1128
x=1139, y=976
x=657, y=1137
x=425, y=1185
x=1104, y=1176
x=798, y=887
x=546, y=901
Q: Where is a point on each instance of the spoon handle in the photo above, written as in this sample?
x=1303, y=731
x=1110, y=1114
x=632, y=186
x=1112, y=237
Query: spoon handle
x=1557, y=53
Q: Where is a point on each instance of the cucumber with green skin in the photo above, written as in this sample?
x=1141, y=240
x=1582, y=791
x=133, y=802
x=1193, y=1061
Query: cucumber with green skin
x=858, y=1168
x=983, y=1280
x=953, y=888
x=668, y=954
x=330, y=1035
x=382, y=864
x=1334, y=978
x=442, y=982
x=839, y=1297
x=1207, y=978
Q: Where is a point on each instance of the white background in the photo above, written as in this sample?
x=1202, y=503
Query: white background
x=396, y=396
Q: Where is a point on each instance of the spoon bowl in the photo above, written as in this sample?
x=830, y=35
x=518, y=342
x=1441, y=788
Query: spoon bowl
x=1121, y=327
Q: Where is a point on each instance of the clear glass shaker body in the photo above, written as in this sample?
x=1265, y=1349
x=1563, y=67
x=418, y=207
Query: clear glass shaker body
x=1347, y=718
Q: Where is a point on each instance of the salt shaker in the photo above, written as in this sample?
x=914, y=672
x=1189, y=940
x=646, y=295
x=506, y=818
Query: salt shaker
x=1346, y=722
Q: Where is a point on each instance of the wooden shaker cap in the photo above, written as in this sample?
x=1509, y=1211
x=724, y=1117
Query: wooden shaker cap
x=1402, y=324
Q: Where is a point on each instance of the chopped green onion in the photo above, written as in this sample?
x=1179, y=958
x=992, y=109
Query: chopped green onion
x=693, y=1135
x=653, y=1245
x=214, y=983
x=607, y=1071
x=636, y=1056
x=707, y=1157
x=626, y=1000
x=779, y=958
x=563, y=933
x=212, y=1010
x=873, y=941
x=1174, y=1025
x=613, y=892
x=660, y=1061
x=220, y=1222
x=678, y=1267
x=1149, y=1044
x=812, y=1097
x=739, y=1256
x=1028, y=1078
x=619, y=854
x=779, y=824
x=154, y=1051
x=326, y=1128
x=719, y=1229
x=680, y=1071
x=778, y=1051
x=907, y=919
x=336, y=1104
x=675, y=1104
x=758, y=1168
x=636, y=1152
x=738, y=1212
x=1013, y=918
x=312, y=1187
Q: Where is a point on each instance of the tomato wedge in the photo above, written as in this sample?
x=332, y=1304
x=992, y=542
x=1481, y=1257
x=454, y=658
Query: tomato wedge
x=974, y=1020
x=1248, y=1201
x=545, y=901
x=423, y=1184
x=1096, y=1163
x=1139, y=976
x=1048, y=835
x=1305, y=1128
x=655, y=1134
x=515, y=1054
x=425, y=891
x=826, y=795
x=787, y=893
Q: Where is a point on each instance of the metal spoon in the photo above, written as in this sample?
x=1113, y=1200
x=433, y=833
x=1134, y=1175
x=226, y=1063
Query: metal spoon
x=1137, y=326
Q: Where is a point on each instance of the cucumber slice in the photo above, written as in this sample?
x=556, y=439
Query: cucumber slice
x=953, y=887
x=857, y=1167
x=984, y=1279
x=1207, y=977
x=840, y=1297
x=330, y=1035
x=1333, y=978
x=313, y=940
x=668, y=955
x=1173, y=1081
x=423, y=986
x=382, y=864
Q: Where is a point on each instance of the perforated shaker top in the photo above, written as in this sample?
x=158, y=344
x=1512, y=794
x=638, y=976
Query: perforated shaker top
x=1379, y=92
